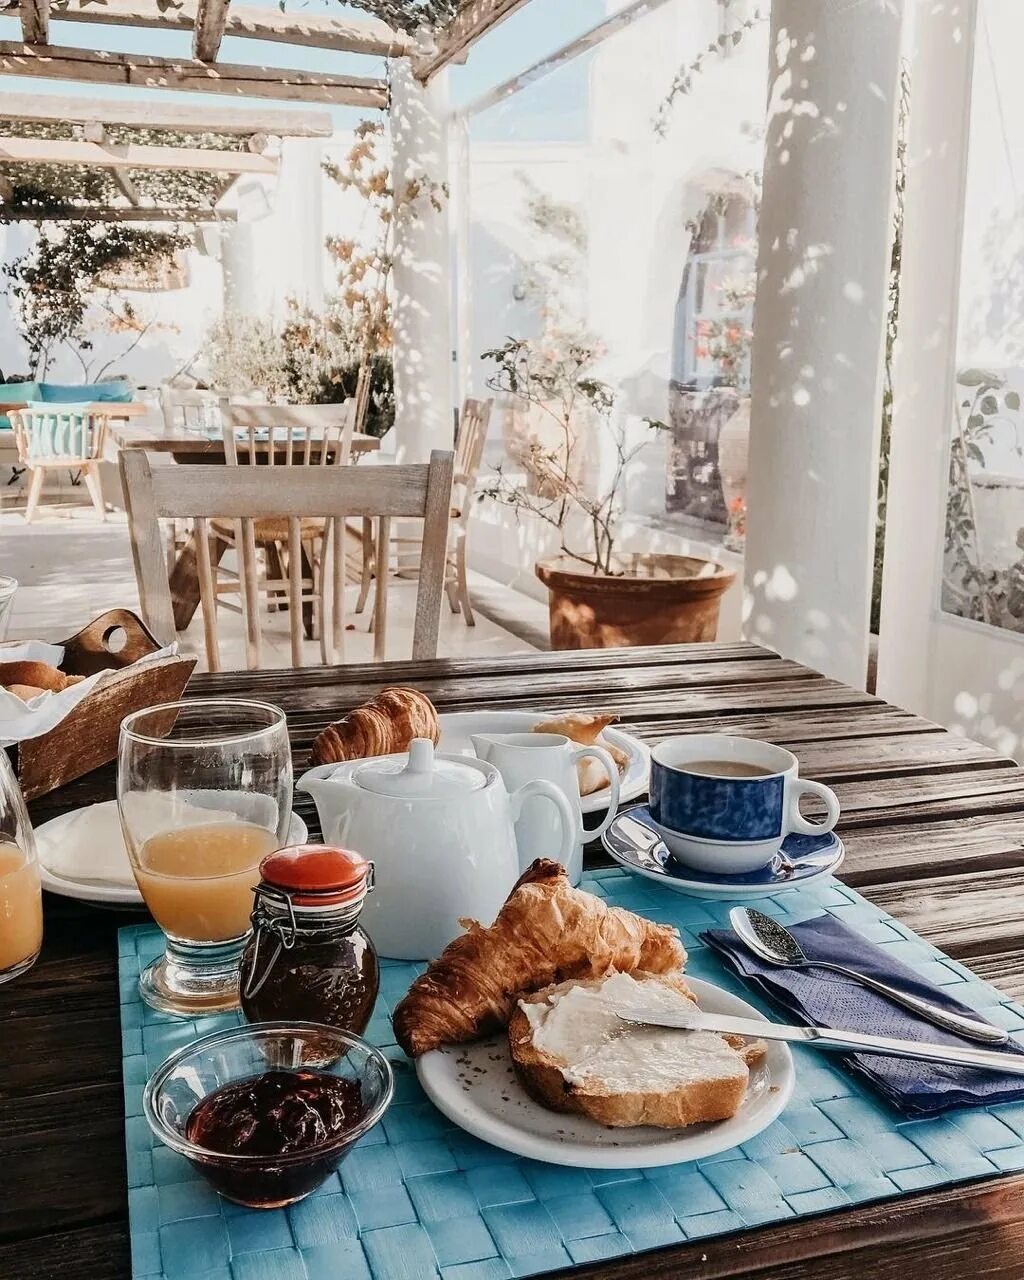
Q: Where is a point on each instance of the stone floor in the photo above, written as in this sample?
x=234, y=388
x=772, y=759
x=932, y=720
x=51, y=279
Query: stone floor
x=72, y=567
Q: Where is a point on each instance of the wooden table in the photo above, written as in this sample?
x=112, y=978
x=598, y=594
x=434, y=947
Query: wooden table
x=934, y=828
x=197, y=446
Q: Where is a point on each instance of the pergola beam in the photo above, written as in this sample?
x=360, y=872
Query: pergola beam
x=52, y=62
x=27, y=108
x=473, y=21
x=211, y=17
x=35, y=21
x=132, y=156
x=110, y=213
x=340, y=33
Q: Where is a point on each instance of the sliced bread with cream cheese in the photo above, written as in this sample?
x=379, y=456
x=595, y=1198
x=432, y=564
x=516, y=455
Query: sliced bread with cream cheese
x=573, y=1053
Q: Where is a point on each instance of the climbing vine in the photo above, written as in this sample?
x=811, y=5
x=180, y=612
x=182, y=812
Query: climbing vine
x=52, y=285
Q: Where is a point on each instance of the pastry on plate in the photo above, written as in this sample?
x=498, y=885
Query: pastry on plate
x=586, y=730
x=383, y=726
x=573, y=1053
x=547, y=931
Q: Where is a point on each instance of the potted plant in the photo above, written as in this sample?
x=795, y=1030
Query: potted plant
x=599, y=597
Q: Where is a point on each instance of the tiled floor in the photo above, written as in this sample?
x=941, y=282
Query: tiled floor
x=72, y=567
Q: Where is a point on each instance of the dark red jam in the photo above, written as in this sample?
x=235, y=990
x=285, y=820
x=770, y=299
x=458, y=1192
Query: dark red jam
x=268, y=1117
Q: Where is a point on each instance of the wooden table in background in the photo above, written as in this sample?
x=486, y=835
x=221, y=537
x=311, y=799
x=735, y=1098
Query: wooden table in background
x=934, y=831
x=196, y=446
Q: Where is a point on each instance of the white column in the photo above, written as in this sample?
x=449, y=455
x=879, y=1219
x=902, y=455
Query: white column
x=297, y=255
x=422, y=280
x=819, y=330
x=925, y=359
x=238, y=264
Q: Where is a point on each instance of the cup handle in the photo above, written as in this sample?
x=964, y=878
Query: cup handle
x=797, y=822
x=600, y=754
x=548, y=790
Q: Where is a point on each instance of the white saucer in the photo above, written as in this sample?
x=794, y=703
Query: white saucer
x=108, y=893
x=457, y=726
x=476, y=1088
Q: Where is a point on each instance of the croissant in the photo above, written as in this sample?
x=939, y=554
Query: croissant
x=547, y=931
x=586, y=730
x=381, y=727
x=38, y=675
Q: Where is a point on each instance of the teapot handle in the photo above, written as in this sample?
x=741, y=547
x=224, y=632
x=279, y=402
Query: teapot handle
x=567, y=820
x=612, y=770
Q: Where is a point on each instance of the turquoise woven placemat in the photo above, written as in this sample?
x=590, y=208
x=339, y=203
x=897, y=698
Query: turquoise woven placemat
x=418, y=1198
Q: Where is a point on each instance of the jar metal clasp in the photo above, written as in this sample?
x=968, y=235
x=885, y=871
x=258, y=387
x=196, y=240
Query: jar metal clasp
x=281, y=927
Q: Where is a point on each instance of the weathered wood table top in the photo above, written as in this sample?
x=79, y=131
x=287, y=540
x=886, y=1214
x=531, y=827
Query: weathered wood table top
x=200, y=446
x=934, y=830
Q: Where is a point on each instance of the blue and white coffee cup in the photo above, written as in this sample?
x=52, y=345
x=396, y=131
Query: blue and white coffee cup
x=731, y=824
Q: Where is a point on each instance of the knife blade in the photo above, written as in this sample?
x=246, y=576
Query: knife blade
x=827, y=1038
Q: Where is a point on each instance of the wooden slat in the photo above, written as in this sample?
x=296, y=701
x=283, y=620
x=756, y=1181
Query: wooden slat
x=32, y=108
x=211, y=17
x=35, y=21
x=473, y=21
x=242, y=491
x=107, y=155
x=342, y=33
x=51, y=62
x=110, y=213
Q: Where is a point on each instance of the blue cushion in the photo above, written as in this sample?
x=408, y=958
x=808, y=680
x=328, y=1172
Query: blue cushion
x=55, y=433
x=116, y=392
x=14, y=393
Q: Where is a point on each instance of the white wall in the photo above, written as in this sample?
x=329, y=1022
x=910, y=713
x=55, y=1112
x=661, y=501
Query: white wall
x=637, y=192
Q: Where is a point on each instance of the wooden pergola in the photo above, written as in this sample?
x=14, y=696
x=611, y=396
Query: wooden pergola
x=211, y=20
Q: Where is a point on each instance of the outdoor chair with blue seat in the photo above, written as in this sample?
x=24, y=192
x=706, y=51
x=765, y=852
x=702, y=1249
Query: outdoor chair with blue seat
x=53, y=436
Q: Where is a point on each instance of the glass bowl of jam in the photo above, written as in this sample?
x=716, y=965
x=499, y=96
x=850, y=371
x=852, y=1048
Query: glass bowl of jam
x=262, y=1125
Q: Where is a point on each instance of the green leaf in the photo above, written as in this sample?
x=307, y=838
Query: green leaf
x=975, y=454
x=989, y=404
x=975, y=421
x=1012, y=400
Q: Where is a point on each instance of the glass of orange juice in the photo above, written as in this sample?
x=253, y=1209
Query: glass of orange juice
x=21, y=895
x=204, y=790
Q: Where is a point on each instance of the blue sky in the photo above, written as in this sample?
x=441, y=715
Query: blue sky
x=552, y=109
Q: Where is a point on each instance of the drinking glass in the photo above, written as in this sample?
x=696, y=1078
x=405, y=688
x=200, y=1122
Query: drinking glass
x=21, y=895
x=204, y=789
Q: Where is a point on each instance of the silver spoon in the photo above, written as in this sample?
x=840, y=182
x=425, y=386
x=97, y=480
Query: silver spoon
x=774, y=944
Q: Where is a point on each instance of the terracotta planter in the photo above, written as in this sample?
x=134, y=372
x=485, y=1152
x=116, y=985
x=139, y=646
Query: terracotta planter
x=658, y=599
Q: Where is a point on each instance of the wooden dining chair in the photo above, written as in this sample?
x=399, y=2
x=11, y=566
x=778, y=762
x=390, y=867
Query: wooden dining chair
x=52, y=437
x=474, y=421
x=246, y=495
x=190, y=410
x=285, y=435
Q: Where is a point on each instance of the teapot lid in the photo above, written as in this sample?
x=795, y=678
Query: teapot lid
x=421, y=775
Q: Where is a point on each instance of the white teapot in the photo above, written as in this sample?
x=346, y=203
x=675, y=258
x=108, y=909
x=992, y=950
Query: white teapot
x=440, y=832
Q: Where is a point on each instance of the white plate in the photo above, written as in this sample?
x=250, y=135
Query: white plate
x=457, y=726
x=105, y=892
x=476, y=1088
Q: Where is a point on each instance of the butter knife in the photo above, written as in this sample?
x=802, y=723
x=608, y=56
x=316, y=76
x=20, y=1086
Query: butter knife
x=826, y=1038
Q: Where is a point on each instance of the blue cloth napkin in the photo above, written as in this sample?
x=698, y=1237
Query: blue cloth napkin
x=816, y=997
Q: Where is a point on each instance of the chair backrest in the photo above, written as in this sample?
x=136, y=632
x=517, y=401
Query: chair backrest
x=242, y=494
x=59, y=434
x=469, y=448
x=189, y=409
x=289, y=434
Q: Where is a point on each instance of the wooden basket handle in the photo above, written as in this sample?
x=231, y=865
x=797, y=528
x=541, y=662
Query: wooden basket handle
x=113, y=640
